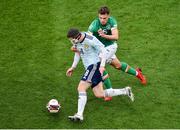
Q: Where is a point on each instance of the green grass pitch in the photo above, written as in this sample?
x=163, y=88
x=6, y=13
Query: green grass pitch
x=34, y=56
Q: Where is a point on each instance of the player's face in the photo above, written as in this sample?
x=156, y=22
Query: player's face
x=103, y=18
x=73, y=40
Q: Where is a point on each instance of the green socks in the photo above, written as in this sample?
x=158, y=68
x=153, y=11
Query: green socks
x=126, y=68
x=107, y=81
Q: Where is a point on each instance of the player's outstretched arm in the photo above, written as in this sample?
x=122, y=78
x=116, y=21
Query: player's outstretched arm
x=69, y=72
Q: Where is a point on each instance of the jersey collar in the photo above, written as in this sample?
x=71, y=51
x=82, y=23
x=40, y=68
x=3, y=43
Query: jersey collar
x=83, y=38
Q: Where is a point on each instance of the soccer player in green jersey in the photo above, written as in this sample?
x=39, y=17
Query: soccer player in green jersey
x=105, y=29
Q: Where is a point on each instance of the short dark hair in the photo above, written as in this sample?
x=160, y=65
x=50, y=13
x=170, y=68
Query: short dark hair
x=104, y=10
x=73, y=33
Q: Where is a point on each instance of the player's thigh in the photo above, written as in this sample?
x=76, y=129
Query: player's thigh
x=111, y=50
x=98, y=90
x=83, y=86
x=116, y=63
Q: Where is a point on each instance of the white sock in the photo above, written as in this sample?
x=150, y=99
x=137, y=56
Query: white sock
x=115, y=92
x=81, y=102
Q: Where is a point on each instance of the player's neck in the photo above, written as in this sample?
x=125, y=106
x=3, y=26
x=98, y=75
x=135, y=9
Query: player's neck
x=81, y=39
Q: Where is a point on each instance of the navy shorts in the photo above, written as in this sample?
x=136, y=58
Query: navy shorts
x=92, y=74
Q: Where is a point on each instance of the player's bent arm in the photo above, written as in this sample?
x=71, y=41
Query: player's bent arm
x=76, y=60
x=103, y=59
x=101, y=49
x=114, y=35
x=103, y=55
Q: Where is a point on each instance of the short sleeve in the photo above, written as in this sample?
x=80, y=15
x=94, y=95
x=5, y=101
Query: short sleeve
x=92, y=26
x=113, y=23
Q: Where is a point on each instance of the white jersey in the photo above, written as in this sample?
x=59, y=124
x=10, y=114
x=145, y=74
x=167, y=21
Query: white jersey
x=89, y=49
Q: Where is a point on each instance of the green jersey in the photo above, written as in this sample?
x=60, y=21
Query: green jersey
x=96, y=25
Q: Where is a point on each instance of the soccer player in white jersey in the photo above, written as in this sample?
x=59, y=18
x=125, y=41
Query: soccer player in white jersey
x=89, y=48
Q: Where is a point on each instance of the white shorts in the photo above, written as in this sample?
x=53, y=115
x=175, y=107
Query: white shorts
x=110, y=52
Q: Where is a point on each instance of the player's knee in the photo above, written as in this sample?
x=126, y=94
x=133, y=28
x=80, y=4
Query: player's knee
x=117, y=66
x=81, y=89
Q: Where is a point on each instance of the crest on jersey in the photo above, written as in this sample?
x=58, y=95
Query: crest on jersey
x=86, y=46
x=108, y=27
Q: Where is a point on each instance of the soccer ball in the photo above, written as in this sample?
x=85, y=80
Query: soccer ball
x=53, y=106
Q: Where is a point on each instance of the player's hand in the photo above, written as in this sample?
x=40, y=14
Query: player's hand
x=102, y=69
x=74, y=49
x=101, y=33
x=69, y=72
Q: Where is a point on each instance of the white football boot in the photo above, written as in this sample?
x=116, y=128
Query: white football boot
x=76, y=117
x=129, y=93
